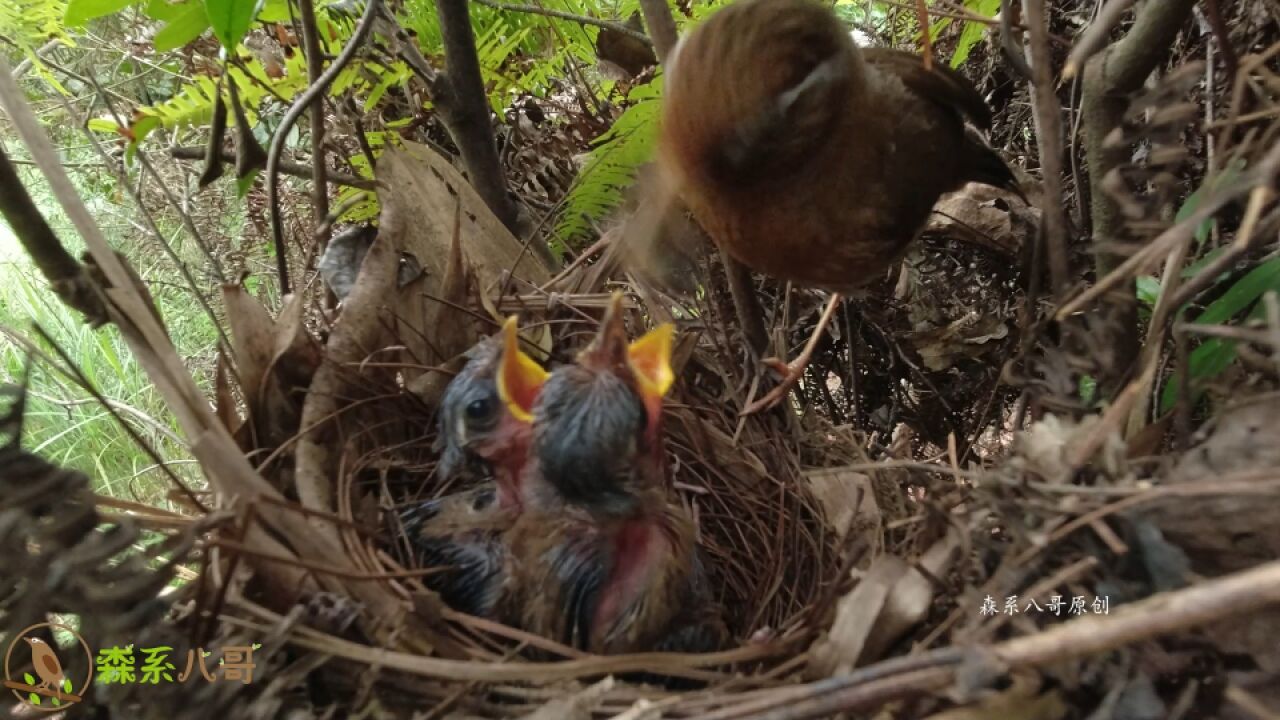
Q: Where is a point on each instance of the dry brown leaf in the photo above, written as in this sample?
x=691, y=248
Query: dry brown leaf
x=224, y=402
x=836, y=652
x=1226, y=533
x=1045, y=448
x=847, y=498
x=940, y=347
x=889, y=599
x=453, y=234
x=252, y=340
x=276, y=360
x=985, y=216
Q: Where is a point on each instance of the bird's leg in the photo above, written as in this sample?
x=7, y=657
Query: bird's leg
x=792, y=372
x=746, y=303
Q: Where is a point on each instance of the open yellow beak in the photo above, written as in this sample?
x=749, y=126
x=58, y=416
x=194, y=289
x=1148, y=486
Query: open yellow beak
x=650, y=359
x=520, y=377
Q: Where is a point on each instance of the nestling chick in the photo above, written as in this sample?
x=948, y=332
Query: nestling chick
x=602, y=560
x=484, y=426
x=481, y=432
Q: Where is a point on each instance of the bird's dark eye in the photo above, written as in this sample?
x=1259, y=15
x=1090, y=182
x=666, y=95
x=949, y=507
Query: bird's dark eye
x=479, y=408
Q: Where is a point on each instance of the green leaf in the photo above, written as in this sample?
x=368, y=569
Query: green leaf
x=274, y=11
x=1246, y=290
x=1148, y=290
x=612, y=164
x=185, y=22
x=80, y=12
x=66, y=685
x=230, y=20
x=973, y=32
x=244, y=184
x=1215, y=354
x=1194, y=268
x=31, y=680
x=1210, y=185
x=103, y=125
x=1088, y=389
x=33, y=698
x=144, y=126
x=1205, y=362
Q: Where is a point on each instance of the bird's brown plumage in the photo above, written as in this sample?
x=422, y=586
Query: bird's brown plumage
x=807, y=158
x=46, y=664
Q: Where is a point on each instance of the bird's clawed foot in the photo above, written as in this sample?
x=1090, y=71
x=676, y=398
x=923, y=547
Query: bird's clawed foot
x=791, y=373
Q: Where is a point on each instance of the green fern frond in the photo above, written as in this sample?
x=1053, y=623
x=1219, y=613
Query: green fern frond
x=612, y=165
x=29, y=24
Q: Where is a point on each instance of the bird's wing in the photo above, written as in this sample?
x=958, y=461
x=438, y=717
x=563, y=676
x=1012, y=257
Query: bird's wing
x=941, y=84
x=474, y=509
x=49, y=662
x=580, y=568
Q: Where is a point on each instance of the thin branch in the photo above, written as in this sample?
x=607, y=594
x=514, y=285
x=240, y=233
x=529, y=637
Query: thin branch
x=1232, y=595
x=315, y=65
x=65, y=274
x=1264, y=173
x=1048, y=123
x=1095, y=36
x=1109, y=78
x=1213, y=13
x=144, y=160
x=316, y=89
x=560, y=15
x=466, y=111
x=662, y=27
x=287, y=167
x=225, y=466
x=73, y=371
x=140, y=207
x=26, y=64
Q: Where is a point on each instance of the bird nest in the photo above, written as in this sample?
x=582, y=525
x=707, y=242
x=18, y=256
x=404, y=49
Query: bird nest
x=847, y=584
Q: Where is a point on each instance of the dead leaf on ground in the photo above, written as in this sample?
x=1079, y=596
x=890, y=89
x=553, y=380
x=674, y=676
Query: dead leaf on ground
x=1230, y=532
x=275, y=361
x=940, y=347
x=454, y=235
x=890, y=598
x=847, y=499
x=985, y=216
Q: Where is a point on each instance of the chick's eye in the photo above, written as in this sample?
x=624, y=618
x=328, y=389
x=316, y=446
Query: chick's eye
x=479, y=409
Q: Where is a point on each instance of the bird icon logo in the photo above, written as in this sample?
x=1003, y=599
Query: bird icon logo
x=49, y=689
x=46, y=663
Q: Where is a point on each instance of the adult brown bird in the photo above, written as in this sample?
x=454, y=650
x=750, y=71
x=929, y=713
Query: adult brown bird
x=45, y=661
x=808, y=158
x=602, y=560
x=484, y=429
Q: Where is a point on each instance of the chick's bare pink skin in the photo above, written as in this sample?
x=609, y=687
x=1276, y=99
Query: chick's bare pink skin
x=615, y=563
